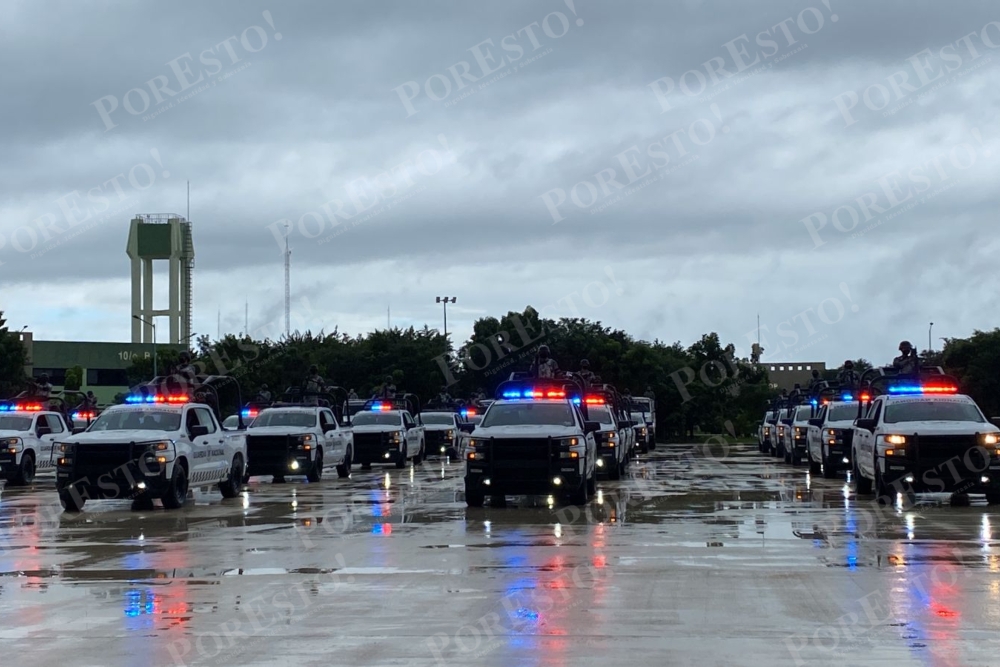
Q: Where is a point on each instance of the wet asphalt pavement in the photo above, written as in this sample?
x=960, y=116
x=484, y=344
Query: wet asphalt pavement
x=695, y=559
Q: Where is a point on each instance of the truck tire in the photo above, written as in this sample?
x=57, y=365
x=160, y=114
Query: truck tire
x=862, y=484
x=315, y=473
x=233, y=484
x=401, y=459
x=652, y=444
x=580, y=496
x=421, y=455
x=25, y=474
x=814, y=468
x=176, y=494
x=615, y=471
x=278, y=479
x=592, y=484
x=829, y=471
x=142, y=503
x=993, y=498
x=71, y=502
x=644, y=448
x=344, y=469
x=474, y=498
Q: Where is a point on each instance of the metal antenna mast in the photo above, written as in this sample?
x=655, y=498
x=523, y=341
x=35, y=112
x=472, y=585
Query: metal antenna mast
x=288, y=282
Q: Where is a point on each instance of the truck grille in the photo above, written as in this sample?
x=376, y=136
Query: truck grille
x=940, y=448
x=520, y=449
x=91, y=460
x=268, y=449
x=435, y=437
x=371, y=446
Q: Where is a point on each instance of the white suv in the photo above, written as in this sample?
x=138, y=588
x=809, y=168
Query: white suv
x=27, y=434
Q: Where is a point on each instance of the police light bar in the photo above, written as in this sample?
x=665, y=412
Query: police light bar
x=157, y=398
x=923, y=389
x=594, y=400
x=250, y=413
x=22, y=407
x=381, y=406
x=467, y=411
x=866, y=397
x=535, y=393
x=846, y=397
x=80, y=416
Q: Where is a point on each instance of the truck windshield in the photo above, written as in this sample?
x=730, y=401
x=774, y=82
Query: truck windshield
x=842, y=412
x=14, y=423
x=439, y=418
x=803, y=413
x=377, y=419
x=529, y=414
x=284, y=418
x=600, y=413
x=141, y=420
x=640, y=417
x=920, y=411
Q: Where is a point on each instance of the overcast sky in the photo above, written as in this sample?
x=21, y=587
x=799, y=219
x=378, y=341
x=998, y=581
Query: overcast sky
x=735, y=132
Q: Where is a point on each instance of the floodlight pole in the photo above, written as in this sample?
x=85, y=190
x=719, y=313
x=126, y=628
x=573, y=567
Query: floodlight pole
x=445, y=300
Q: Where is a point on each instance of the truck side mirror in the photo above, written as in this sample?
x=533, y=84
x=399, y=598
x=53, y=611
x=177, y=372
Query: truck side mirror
x=816, y=421
x=591, y=427
x=866, y=424
x=198, y=431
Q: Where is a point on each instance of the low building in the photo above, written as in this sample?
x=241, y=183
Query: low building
x=103, y=364
x=786, y=374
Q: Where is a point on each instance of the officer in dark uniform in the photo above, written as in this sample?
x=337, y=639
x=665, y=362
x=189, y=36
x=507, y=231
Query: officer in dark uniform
x=814, y=381
x=847, y=378
x=907, y=363
x=796, y=394
x=544, y=365
x=586, y=374
x=388, y=389
x=264, y=395
x=313, y=386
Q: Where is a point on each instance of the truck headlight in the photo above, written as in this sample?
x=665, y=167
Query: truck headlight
x=895, y=439
x=990, y=438
x=13, y=445
x=449, y=435
x=895, y=452
x=396, y=435
x=163, y=450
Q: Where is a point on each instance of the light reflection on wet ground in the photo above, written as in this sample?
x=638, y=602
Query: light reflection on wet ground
x=688, y=561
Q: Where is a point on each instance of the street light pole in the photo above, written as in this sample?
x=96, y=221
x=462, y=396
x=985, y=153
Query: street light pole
x=445, y=300
x=152, y=324
x=930, y=346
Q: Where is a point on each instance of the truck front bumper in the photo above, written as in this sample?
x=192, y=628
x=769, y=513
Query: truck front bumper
x=124, y=482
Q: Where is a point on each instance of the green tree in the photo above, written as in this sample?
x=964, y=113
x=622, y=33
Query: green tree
x=74, y=378
x=13, y=358
x=975, y=363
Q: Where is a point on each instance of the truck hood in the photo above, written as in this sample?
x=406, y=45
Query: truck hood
x=526, y=431
x=15, y=434
x=279, y=430
x=377, y=428
x=138, y=435
x=939, y=428
x=439, y=427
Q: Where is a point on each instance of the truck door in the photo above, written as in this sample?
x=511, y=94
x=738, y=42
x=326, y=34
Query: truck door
x=412, y=437
x=332, y=435
x=56, y=429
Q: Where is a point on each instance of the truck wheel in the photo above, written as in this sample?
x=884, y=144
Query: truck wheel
x=993, y=498
x=401, y=459
x=316, y=472
x=861, y=483
x=176, y=494
x=828, y=470
x=580, y=496
x=232, y=485
x=344, y=469
x=592, y=484
x=814, y=468
x=474, y=498
x=652, y=444
x=278, y=479
x=142, y=503
x=419, y=458
x=71, y=502
x=882, y=492
x=644, y=448
x=615, y=471
x=25, y=474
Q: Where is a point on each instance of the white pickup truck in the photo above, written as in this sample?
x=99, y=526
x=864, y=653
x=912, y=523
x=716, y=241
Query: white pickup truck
x=298, y=440
x=157, y=447
x=27, y=434
x=387, y=434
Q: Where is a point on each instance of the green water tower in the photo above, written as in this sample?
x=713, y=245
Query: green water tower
x=161, y=236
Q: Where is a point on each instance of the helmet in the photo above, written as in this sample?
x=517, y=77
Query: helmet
x=313, y=370
x=388, y=378
x=905, y=346
x=798, y=386
x=815, y=374
x=584, y=363
x=848, y=364
x=44, y=377
x=184, y=357
x=263, y=387
x=543, y=351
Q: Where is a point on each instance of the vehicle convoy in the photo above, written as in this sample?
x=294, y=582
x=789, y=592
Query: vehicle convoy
x=157, y=445
x=533, y=440
x=646, y=406
x=443, y=430
x=27, y=434
x=794, y=442
x=919, y=435
x=777, y=441
x=299, y=435
x=387, y=432
x=831, y=432
x=768, y=424
x=615, y=437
